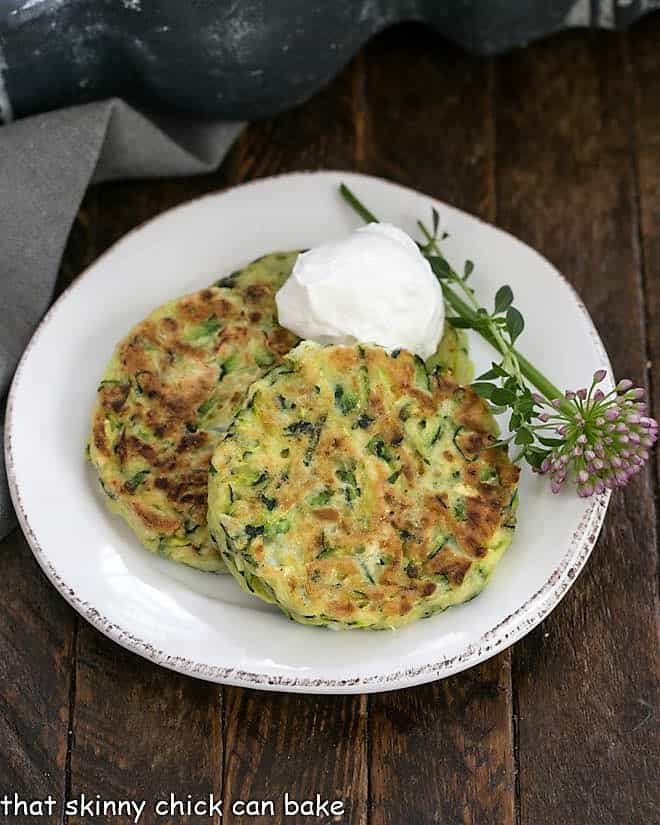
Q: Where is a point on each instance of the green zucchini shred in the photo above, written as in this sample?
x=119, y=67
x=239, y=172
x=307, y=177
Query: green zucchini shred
x=321, y=498
x=459, y=509
x=264, y=358
x=269, y=503
x=366, y=572
x=274, y=528
x=134, y=482
x=206, y=329
x=313, y=441
x=363, y=422
x=345, y=402
x=421, y=375
x=108, y=492
x=228, y=365
x=206, y=406
x=254, y=530
x=230, y=280
x=438, y=433
x=351, y=489
x=377, y=446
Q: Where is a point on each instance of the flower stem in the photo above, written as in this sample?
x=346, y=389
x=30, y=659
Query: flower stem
x=531, y=373
x=491, y=333
x=354, y=203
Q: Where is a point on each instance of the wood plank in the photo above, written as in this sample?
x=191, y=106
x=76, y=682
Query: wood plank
x=318, y=135
x=428, y=118
x=81, y=246
x=281, y=744
x=37, y=630
x=142, y=733
x=644, y=57
x=441, y=752
x=292, y=743
x=585, y=681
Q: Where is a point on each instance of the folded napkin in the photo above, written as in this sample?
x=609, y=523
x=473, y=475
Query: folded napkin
x=46, y=163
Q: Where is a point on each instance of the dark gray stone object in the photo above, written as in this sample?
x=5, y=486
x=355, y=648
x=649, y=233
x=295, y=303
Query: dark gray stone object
x=240, y=59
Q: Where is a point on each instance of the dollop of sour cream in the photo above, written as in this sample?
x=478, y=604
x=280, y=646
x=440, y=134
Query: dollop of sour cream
x=374, y=286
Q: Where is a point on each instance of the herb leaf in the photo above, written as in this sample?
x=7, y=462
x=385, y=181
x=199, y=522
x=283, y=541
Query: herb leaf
x=484, y=389
x=515, y=323
x=503, y=298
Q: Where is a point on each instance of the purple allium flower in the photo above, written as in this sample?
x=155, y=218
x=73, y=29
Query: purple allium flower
x=605, y=437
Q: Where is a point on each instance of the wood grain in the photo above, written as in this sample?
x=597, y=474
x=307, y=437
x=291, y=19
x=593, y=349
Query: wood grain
x=319, y=135
x=585, y=681
x=441, y=752
x=644, y=63
x=141, y=732
x=298, y=745
x=302, y=745
x=428, y=118
x=36, y=638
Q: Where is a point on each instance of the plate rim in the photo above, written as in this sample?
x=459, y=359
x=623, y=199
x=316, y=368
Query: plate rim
x=508, y=631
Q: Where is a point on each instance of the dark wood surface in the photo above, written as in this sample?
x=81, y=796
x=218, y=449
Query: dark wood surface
x=559, y=144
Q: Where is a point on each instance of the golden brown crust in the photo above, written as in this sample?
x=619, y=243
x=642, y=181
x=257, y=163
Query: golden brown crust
x=359, y=490
x=168, y=394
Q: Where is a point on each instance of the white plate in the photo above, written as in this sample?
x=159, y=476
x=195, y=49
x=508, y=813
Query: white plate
x=204, y=625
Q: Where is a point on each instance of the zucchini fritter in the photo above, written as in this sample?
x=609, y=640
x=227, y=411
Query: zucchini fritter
x=169, y=393
x=356, y=489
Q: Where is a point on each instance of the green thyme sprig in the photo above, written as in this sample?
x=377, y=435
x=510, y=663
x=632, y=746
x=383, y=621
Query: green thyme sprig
x=503, y=384
x=597, y=440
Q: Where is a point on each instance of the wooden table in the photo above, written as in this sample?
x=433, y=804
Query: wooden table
x=560, y=144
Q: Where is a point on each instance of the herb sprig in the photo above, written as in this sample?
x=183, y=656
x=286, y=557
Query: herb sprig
x=596, y=440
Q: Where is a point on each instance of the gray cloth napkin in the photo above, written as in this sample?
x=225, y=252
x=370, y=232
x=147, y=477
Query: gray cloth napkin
x=46, y=163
